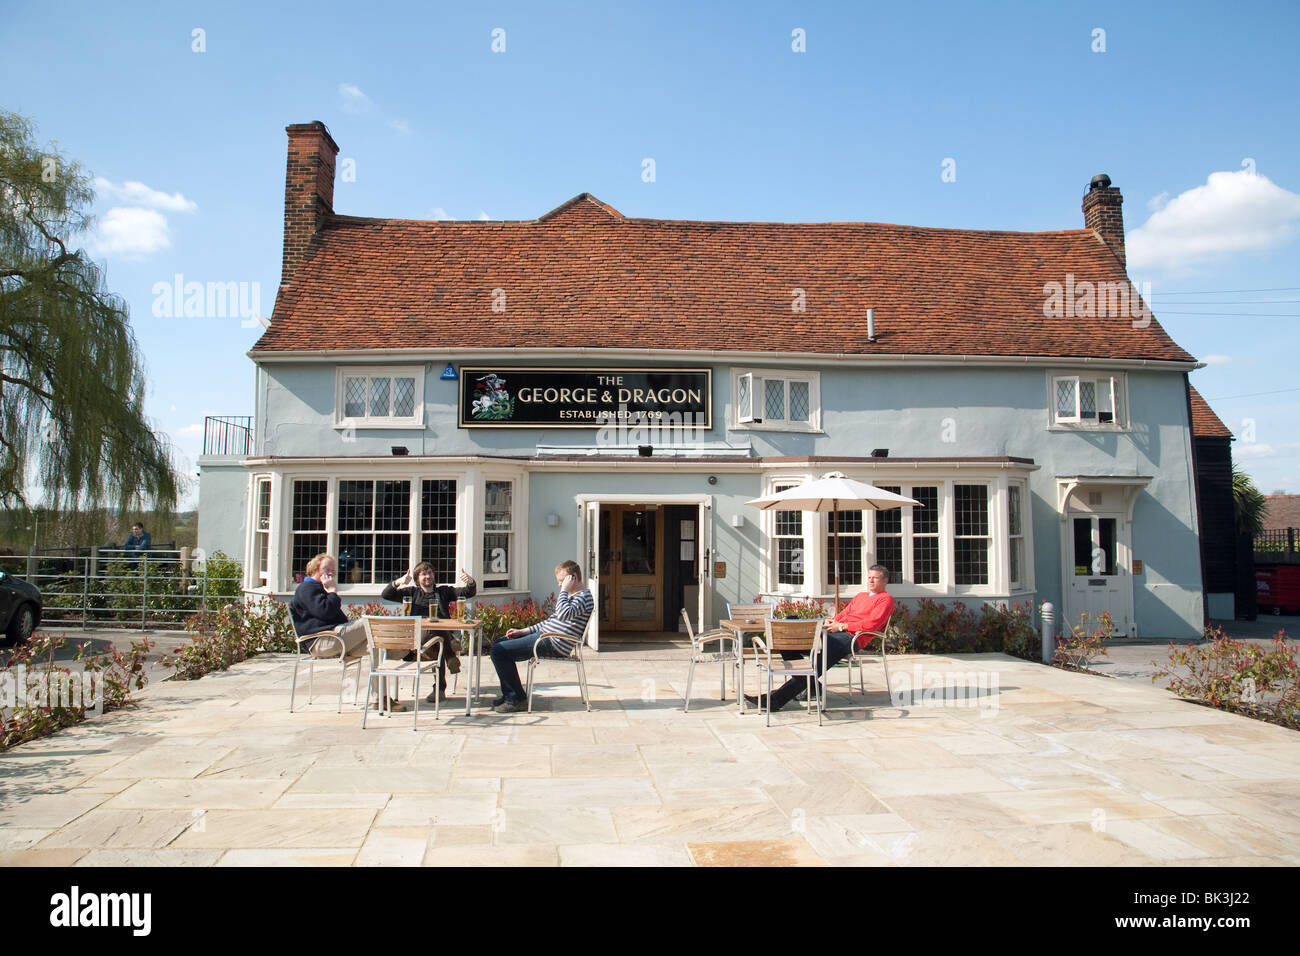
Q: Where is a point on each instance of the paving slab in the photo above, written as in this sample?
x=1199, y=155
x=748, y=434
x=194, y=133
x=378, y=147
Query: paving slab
x=1047, y=768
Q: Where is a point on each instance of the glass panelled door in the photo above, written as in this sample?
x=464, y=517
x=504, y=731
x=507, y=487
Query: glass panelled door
x=1098, y=582
x=631, y=567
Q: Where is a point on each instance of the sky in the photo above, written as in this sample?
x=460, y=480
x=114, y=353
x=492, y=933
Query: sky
x=963, y=115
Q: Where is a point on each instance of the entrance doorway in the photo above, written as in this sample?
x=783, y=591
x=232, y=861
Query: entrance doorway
x=631, y=567
x=646, y=558
x=1097, y=556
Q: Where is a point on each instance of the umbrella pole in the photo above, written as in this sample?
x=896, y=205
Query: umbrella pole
x=835, y=532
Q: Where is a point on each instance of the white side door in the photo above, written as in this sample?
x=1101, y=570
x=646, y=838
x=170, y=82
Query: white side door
x=592, y=560
x=704, y=521
x=1097, y=573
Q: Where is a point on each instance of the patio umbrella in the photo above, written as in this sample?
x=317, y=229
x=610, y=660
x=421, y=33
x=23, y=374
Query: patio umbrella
x=833, y=492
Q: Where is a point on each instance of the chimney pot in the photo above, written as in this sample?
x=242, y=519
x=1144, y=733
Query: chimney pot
x=1103, y=214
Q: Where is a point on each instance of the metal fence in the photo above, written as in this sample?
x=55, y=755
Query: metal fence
x=228, y=435
x=1277, y=544
x=156, y=589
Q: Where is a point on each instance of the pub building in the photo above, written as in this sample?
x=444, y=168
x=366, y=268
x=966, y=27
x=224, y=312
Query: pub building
x=501, y=396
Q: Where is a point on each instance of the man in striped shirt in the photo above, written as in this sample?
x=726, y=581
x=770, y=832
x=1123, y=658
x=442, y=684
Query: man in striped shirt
x=564, y=629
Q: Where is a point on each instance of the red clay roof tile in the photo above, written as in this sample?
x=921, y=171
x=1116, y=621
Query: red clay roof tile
x=583, y=275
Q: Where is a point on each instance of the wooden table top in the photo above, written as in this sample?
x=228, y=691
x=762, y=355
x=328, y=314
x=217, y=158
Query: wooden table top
x=447, y=624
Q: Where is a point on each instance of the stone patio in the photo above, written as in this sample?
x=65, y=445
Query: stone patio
x=1020, y=765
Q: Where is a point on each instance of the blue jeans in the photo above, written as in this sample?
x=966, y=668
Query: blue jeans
x=506, y=653
x=838, y=644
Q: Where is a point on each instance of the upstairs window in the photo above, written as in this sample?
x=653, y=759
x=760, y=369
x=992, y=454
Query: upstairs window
x=1088, y=401
x=776, y=400
x=392, y=397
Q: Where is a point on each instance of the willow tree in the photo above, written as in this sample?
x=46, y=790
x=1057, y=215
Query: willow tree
x=72, y=420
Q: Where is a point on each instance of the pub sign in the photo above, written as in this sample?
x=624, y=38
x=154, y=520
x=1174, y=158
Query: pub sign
x=584, y=398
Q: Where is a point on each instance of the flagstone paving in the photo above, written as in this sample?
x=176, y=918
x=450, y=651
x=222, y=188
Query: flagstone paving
x=1021, y=765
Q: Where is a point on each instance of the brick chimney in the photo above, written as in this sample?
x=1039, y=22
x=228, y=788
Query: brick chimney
x=1102, y=214
x=308, y=190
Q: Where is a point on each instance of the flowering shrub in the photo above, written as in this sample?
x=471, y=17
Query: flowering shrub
x=370, y=609
x=51, y=698
x=935, y=628
x=805, y=609
x=231, y=634
x=1078, y=650
x=1239, y=676
x=497, y=619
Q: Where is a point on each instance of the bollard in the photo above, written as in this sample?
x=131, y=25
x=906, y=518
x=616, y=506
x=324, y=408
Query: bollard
x=1049, y=633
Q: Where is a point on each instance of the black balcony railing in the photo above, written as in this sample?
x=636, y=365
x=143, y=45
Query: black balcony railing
x=228, y=435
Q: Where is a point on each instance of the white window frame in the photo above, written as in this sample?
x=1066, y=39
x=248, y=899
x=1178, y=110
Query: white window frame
x=337, y=535
x=993, y=559
x=805, y=519
x=1016, y=540
x=369, y=372
x=756, y=378
x=1114, y=384
x=261, y=535
x=514, y=551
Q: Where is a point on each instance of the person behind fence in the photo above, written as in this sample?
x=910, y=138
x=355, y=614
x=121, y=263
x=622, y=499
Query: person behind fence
x=316, y=607
x=868, y=611
x=426, y=600
x=139, y=540
x=564, y=629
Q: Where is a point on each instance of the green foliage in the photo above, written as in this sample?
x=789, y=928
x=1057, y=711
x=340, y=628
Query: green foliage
x=497, y=619
x=1239, y=676
x=71, y=383
x=935, y=628
x=225, y=579
x=1248, y=504
x=41, y=708
x=233, y=633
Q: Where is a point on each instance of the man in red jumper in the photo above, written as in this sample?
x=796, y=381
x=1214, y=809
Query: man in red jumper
x=868, y=611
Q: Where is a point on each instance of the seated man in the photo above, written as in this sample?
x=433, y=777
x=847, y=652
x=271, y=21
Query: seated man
x=868, y=611
x=428, y=600
x=572, y=609
x=316, y=607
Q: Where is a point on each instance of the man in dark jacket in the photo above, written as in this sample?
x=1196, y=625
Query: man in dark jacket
x=316, y=607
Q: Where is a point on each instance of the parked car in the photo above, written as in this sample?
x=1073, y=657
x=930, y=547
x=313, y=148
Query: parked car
x=20, y=607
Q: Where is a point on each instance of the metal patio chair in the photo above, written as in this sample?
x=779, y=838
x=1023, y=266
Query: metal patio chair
x=803, y=636
x=856, y=657
x=755, y=613
x=575, y=657
x=311, y=669
x=701, y=655
x=400, y=634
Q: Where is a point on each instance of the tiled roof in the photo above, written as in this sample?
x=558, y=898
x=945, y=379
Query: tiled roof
x=1206, y=424
x=583, y=275
x=1282, y=511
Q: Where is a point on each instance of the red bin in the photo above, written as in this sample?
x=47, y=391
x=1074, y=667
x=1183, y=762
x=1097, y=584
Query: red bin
x=1277, y=588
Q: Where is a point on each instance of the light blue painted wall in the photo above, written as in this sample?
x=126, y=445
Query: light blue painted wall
x=223, y=512
x=944, y=411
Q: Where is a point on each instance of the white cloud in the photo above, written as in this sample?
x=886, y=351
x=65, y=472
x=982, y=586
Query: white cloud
x=401, y=125
x=138, y=194
x=1233, y=212
x=484, y=217
x=1257, y=449
x=129, y=231
x=352, y=100
x=437, y=212
x=1156, y=203
x=1217, y=359
x=188, y=433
